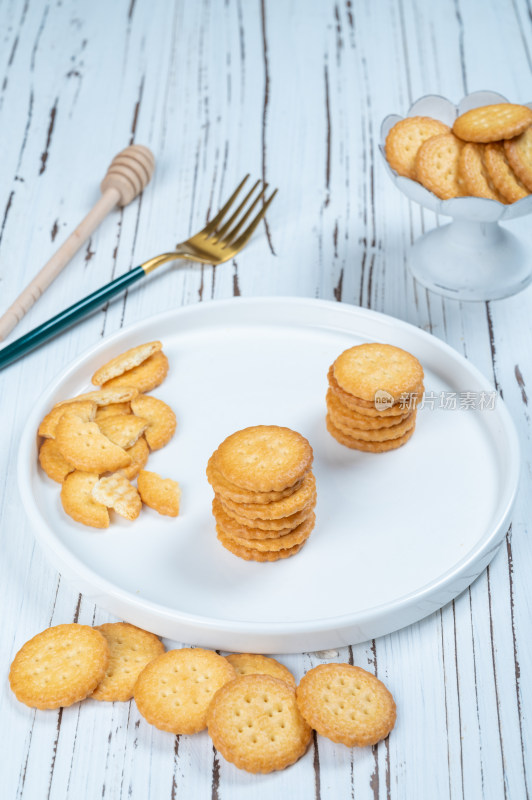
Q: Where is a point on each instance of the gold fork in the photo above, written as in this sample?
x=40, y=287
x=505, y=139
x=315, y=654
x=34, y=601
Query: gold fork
x=221, y=239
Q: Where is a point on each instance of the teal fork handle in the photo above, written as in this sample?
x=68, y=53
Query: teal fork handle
x=66, y=318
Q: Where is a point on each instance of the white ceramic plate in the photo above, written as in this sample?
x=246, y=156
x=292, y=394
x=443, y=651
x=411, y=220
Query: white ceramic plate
x=398, y=534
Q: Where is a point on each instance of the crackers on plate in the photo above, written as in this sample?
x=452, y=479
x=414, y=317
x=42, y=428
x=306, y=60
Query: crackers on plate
x=488, y=153
x=101, y=440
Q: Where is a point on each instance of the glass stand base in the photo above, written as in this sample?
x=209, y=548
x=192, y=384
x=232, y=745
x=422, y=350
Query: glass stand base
x=471, y=261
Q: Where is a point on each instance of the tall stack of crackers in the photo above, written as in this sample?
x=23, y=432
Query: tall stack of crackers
x=487, y=153
x=372, y=397
x=265, y=492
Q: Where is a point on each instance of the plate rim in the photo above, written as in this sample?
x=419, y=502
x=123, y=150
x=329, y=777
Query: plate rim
x=487, y=546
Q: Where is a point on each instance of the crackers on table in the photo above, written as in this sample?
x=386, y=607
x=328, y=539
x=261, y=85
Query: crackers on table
x=376, y=435
x=86, y=409
x=270, y=544
x=225, y=488
x=504, y=178
x=367, y=447
x=130, y=650
x=290, y=522
x=253, y=553
x=492, y=123
x=264, y=458
x=122, y=429
x=59, y=666
x=236, y=530
x=161, y=420
x=52, y=462
x=368, y=368
x=78, y=502
x=161, y=494
x=349, y=416
x=474, y=174
x=85, y=446
x=145, y=377
x=437, y=166
x=254, y=722
x=116, y=492
x=346, y=704
x=277, y=509
x=124, y=362
x=519, y=154
x=255, y=664
x=174, y=691
x=139, y=456
x=370, y=410
x=405, y=139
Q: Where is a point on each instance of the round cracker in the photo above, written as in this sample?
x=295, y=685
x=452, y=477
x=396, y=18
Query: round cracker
x=147, y=376
x=254, y=722
x=346, y=704
x=255, y=664
x=437, y=166
x=405, y=139
x=367, y=447
x=225, y=488
x=130, y=650
x=160, y=417
x=366, y=369
x=124, y=362
x=85, y=409
x=174, y=691
x=504, y=178
x=492, y=123
x=84, y=445
x=350, y=417
x=383, y=435
x=271, y=524
x=272, y=544
x=78, y=502
x=264, y=458
x=278, y=509
x=519, y=154
x=251, y=553
x=237, y=530
x=59, y=666
x=368, y=410
x=474, y=174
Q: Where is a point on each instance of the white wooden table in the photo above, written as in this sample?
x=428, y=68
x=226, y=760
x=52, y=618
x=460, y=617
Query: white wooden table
x=293, y=91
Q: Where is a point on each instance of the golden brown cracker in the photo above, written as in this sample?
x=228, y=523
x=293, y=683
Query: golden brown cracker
x=366, y=369
x=130, y=650
x=404, y=140
x=475, y=176
x=237, y=530
x=272, y=544
x=160, y=418
x=85, y=446
x=290, y=521
x=161, y=494
x=59, y=666
x=225, y=488
x=375, y=435
x=493, y=122
x=437, y=166
x=174, y=691
x=367, y=447
x=112, y=410
x=519, y=154
x=368, y=409
x=85, y=409
x=252, y=553
x=351, y=417
x=254, y=722
x=264, y=458
x=346, y=704
x=147, y=376
x=78, y=502
x=277, y=509
x=122, y=429
x=116, y=492
x=124, y=362
x=104, y=397
x=255, y=664
x=139, y=458
x=504, y=178
x=52, y=462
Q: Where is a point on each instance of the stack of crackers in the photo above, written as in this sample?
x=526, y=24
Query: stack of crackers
x=95, y=444
x=265, y=492
x=488, y=153
x=256, y=715
x=372, y=396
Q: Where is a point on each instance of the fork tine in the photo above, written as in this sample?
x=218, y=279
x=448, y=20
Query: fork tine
x=211, y=225
x=220, y=233
x=231, y=236
x=244, y=237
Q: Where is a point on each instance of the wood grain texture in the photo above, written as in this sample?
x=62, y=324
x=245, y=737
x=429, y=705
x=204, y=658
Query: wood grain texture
x=293, y=92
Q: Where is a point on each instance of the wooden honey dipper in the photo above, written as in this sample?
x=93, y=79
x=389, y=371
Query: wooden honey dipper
x=129, y=173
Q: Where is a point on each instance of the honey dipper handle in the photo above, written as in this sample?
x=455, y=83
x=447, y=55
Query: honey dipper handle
x=126, y=177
